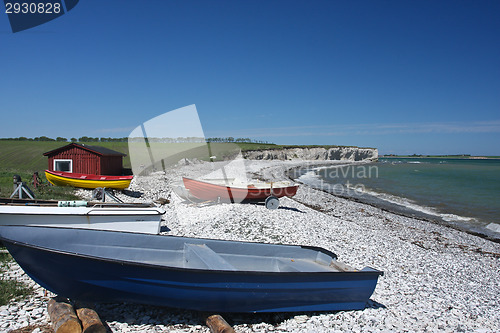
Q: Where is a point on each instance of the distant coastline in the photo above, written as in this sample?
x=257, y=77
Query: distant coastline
x=466, y=157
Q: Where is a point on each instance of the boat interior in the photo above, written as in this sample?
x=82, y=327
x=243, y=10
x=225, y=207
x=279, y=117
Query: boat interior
x=179, y=252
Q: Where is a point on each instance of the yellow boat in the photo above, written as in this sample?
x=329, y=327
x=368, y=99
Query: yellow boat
x=82, y=180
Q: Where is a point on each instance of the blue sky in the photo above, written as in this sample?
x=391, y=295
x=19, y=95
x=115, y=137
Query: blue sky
x=403, y=76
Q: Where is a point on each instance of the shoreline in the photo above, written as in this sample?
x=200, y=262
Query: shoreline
x=435, y=278
x=416, y=215
x=397, y=208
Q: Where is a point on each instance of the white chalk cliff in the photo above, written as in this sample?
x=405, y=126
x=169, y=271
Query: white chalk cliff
x=317, y=153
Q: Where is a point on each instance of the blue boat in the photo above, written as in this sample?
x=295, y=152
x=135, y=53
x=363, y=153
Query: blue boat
x=190, y=273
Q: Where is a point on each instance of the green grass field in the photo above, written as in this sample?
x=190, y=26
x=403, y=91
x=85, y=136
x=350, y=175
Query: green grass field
x=45, y=192
x=28, y=155
x=25, y=157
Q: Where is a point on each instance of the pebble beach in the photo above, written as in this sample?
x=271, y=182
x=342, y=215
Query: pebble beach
x=436, y=279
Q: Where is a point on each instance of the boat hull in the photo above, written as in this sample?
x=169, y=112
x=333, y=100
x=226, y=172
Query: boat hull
x=141, y=220
x=59, y=178
x=209, y=191
x=83, y=276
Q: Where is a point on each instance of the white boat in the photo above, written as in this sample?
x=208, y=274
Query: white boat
x=128, y=217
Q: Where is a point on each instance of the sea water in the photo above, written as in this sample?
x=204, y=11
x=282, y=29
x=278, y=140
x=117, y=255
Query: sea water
x=462, y=192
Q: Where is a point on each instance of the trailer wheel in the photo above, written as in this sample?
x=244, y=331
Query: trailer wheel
x=272, y=202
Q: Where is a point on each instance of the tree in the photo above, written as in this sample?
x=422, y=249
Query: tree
x=43, y=138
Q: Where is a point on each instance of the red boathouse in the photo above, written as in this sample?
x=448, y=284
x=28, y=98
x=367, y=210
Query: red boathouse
x=82, y=158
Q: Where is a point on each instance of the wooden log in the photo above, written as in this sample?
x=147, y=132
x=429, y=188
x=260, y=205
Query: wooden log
x=217, y=324
x=63, y=316
x=91, y=322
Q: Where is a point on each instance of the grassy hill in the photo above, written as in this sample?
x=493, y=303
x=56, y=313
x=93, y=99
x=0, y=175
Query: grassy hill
x=28, y=155
x=25, y=157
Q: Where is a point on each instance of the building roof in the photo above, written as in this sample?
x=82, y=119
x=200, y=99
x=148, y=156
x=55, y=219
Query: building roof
x=99, y=150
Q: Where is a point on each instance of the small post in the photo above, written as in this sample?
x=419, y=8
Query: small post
x=36, y=180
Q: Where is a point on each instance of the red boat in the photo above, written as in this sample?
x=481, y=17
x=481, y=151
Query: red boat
x=234, y=191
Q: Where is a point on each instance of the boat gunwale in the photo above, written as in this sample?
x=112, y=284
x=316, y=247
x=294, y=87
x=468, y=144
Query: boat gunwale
x=135, y=213
x=54, y=203
x=372, y=271
x=66, y=175
x=229, y=186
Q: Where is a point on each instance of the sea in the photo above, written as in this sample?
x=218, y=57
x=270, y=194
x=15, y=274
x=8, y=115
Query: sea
x=460, y=192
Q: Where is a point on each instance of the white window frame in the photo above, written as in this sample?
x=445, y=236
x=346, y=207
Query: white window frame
x=61, y=160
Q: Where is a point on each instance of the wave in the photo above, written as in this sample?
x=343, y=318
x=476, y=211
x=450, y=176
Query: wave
x=311, y=178
x=453, y=217
x=402, y=201
x=387, y=201
x=427, y=210
x=335, y=166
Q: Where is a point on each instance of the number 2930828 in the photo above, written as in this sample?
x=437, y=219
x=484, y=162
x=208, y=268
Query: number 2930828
x=32, y=8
